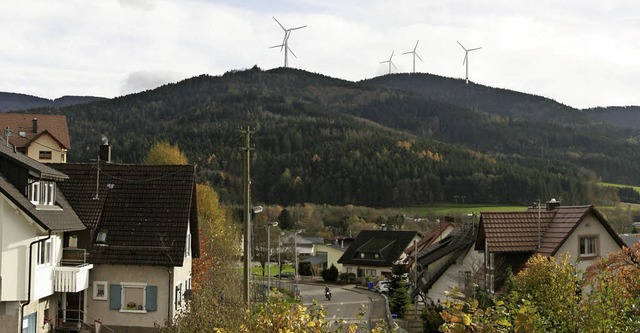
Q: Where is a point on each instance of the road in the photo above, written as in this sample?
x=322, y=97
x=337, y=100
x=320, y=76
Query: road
x=348, y=304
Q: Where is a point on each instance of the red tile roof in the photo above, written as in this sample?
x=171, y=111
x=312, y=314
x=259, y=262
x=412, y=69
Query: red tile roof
x=55, y=125
x=519, y=231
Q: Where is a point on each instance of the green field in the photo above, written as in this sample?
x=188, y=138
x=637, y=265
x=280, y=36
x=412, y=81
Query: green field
x=637, y=188
x=458, y=209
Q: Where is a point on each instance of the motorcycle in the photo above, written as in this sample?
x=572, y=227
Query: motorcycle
x=327, y=294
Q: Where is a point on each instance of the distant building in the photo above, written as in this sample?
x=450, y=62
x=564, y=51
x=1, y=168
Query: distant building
x=44, y=138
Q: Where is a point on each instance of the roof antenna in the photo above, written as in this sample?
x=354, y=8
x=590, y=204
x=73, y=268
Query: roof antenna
x=97, y=177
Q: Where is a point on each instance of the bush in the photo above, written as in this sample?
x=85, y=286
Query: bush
x=330, y=274
x=348, y=277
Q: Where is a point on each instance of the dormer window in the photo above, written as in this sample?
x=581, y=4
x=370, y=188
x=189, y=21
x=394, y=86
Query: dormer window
x=101, y=238
x=42, y=193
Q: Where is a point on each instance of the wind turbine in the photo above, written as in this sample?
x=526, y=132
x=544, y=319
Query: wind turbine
x=466, y=59
x=390, y=62
x=285, y=41
x=414, y=56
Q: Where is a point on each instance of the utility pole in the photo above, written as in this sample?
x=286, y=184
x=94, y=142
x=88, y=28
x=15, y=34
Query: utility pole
x=247, y=216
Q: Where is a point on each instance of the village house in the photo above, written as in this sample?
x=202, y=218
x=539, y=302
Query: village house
x=141, y=237
x=374, y=252
x=38, y=273
x=479, y=255
x=43, y=137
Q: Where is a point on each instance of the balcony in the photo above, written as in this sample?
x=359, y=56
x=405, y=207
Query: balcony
x=72, y=275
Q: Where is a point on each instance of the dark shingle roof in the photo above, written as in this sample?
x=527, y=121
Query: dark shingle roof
x=388, y=245
x=64, y=219
x=55, y=125
x=145, y=210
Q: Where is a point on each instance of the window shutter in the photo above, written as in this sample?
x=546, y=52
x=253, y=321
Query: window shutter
x=152, y=298
x=115, y=295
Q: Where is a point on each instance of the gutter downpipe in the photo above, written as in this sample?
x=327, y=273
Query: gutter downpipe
x=171, y=293
x=23, y=305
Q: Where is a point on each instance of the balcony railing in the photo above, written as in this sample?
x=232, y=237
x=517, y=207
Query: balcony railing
x=72, y=275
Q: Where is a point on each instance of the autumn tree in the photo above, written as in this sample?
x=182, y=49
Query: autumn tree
x=165, y=153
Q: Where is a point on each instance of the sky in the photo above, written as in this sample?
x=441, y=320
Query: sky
x=582, y=53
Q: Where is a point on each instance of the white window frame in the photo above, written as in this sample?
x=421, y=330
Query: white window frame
x=590, y=241
x=34, y=193
x=42, y=192
x=43, y=254
x=123, y=300
x=105, y=289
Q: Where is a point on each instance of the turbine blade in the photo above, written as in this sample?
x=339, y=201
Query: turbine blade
x=465, y=59
x=273, y=47
x=304, y=26
x=281, y=26
x=394, y=65
x=418, y=57
x=415, y=47
x=477, y=48
x=291, y=52
x=409, y=52
x=461, y=45
x=391, y=57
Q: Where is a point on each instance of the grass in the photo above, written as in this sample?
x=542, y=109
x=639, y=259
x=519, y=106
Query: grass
x=637, y=188
x=458, y=209
x=286, y=268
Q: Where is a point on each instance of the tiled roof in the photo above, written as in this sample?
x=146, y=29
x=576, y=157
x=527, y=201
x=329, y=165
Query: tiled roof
x=388, y=245
x=55, y=125
x=145, y=210
x=429, y=238
x=49, y=219
x=452, y=247
x=520, y=231
x=513, y=231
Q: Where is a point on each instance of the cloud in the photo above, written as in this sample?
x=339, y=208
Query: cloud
x=145, y=80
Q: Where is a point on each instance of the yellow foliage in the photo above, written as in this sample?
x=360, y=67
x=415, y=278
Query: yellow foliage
x=163, y=153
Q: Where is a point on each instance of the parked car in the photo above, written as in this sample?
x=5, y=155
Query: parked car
x=383, y=286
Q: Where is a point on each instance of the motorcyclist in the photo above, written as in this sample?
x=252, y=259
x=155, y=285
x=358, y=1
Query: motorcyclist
x=327, y=292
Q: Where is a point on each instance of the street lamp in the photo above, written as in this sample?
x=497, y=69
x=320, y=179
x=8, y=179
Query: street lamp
x=270, y=224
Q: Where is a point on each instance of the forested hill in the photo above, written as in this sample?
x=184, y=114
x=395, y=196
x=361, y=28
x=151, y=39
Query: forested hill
x=324, y=140
x=15, y=102
x=620, y=116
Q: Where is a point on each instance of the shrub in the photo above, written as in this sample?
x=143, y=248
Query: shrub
x=330, y=274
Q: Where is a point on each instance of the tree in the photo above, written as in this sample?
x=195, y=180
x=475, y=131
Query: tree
x=284, y=220
x=165, y=153
x=330, y=274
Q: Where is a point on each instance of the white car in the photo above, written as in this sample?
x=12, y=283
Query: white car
x=383, y=286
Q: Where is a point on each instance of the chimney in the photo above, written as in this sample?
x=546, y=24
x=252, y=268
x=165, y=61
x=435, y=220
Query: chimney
x=34, y=125
x=552, y=204
x=105, y=150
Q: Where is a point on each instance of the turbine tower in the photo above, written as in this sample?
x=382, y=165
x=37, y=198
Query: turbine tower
x=285, y=41
x=390, y=62
x=466, y=59
x=414, y=56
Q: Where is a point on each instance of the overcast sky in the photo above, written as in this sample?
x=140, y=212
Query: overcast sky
x=582, y=53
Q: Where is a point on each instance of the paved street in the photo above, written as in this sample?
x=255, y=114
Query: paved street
x=347, y=304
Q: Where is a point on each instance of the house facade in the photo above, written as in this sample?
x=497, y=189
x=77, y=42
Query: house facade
x=374, y=252
x=509, y=239
x=39, y=271
x=44, y=138
x=141, y=237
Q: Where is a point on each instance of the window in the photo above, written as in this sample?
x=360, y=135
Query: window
x=45, y=154
x=100, y=291
x=464, y=279
x=42, y=193
x=133, y=297
x=588, y=246
x=44, y=253
x=178, y=298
